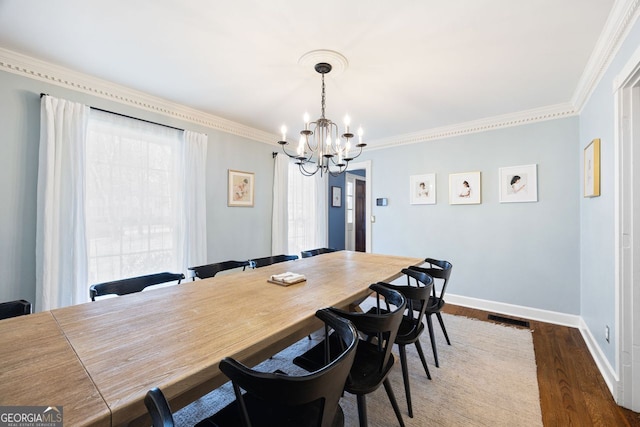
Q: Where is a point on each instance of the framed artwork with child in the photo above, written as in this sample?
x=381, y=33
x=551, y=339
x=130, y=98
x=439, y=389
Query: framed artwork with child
x=518, y=184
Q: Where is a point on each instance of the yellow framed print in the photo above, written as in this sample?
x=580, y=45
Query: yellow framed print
x=592, y=169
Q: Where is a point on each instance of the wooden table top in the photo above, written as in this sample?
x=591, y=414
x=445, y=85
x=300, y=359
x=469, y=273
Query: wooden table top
x=174, y=337
x=38, y=367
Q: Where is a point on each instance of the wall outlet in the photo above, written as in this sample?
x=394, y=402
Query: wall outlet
x=606, y=333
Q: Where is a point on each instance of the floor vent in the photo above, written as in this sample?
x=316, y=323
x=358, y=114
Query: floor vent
x=508, y=320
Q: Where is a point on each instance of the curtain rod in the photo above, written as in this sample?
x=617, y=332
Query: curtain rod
x=128, y=117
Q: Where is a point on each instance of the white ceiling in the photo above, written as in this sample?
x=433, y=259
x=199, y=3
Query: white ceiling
x=413, y=65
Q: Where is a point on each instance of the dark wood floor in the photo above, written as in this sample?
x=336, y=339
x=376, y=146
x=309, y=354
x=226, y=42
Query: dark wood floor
x=572, y=390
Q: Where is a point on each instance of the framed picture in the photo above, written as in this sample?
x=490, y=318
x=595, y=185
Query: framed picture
x=592, y=169
x=241, y=188
x=465, y=188
x=336, y=197
x=422, y=189
x=518, y=184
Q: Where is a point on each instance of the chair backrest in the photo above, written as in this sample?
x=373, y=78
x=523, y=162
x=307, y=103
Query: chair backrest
x=417, y=296
x=378, y=322
x=438, y=269
x=314, y=252
x=132, y=284
x=210, y=270
x=268, y=260
x=322, y=387
x=14, y=308
x=158, y=408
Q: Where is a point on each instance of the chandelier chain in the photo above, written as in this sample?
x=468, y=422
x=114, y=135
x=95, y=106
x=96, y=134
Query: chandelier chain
x=323, y=96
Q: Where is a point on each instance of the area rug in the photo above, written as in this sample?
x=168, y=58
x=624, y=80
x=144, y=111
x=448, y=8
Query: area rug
x=487, y=377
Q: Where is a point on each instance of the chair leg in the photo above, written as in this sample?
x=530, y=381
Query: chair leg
x=443, y=328
x=362, y=410
x=422, y=359
x=405, y=377
x=392, y=399
x=433, y=340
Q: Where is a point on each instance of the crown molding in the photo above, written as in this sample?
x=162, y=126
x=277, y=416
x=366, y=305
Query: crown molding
x=33, y=68
x=620, y=21
x=476, y=126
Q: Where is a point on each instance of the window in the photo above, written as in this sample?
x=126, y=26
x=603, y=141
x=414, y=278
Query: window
x=132, y=197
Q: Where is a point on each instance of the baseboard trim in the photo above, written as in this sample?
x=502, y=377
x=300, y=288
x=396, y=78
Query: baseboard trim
x=606, y=370
x=554, y=317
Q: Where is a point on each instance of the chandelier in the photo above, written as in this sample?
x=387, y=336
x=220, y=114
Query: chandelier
x=321, y=148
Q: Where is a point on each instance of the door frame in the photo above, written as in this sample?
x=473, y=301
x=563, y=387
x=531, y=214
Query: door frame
x=627, y=154
x=366, y=165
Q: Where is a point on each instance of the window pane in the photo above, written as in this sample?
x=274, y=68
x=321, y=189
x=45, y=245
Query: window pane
x=130, y=197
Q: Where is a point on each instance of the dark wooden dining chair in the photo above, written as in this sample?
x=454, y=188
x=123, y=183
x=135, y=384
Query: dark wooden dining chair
x=314, y=252
x=268, y=260
x=374, y=359
x=210, y=270
x=411, y=327
x=440, y=270
x=132, y=284
x=14, y=308
x=278, y=399
x=158, y=408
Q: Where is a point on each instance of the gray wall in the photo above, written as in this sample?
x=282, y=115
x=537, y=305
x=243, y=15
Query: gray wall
x=516, y=253
x=597, y=219
x=240, y=233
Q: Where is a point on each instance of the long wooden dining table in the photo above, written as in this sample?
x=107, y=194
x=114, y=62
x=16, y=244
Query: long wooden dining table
x=174, y=337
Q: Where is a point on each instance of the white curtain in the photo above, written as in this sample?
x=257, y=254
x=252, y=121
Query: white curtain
x=280, y=216
x=307, y=211
x=61, y=252
x=195, y=199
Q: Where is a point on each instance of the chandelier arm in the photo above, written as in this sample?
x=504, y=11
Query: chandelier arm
x=340, y=171
x=336, y=164
x=354, y=157
x=292, y=156
x=304, y=170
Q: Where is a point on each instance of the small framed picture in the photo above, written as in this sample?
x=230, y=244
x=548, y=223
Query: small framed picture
x=592, y=169
x=241, y=188
x=336, y=197
x=422, y=189
x=518, y=184
x=465, y=188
